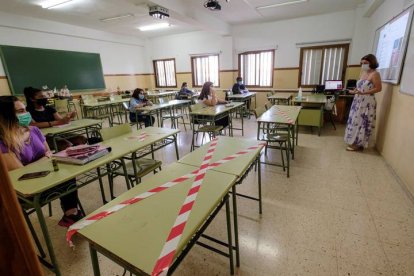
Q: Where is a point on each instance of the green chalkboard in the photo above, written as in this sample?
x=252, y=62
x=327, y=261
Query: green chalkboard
x=38, y=67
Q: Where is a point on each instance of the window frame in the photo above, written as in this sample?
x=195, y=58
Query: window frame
x=271, y=71
x=193, y=79
x=156, y=75
x=322, y=47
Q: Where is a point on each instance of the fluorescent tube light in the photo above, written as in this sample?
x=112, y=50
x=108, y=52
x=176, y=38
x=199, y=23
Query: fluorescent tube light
x=119, y=17
x=154, y=27
x=49, y=4
x=281, y=4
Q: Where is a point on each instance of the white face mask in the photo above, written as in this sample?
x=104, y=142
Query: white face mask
x=365, y=67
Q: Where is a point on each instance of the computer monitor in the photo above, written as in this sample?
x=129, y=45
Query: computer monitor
x=332, y=85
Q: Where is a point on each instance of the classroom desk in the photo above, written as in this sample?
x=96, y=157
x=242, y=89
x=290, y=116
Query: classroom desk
x=280, y=97
x=78, y=127
x=245, y=97
x=156, y=109
x=281, y=114
x=103, y=108
x=312, y=111
x=210, y=114
x=135, y=236
x=238, y=167
x=154, y=97
x=30, y=191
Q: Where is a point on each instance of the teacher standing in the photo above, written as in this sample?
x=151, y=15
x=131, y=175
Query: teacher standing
x=361, y=121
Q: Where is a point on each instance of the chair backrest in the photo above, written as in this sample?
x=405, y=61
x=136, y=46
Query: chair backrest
x=61, y=106
x=331, y=102
x=259, y=111
x=268, y=105
x=112, y=132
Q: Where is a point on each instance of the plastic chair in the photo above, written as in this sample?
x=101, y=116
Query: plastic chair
x=137, y=168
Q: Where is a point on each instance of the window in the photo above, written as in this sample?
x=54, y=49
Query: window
x=321, y=63
x=205, y=68
x=256, y=68
x=164, y=70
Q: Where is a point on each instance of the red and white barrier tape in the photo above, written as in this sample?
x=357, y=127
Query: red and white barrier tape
x=284, y=114
x=167, y=253
x=74, y=228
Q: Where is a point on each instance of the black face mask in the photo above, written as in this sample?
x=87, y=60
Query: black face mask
x=42, y=102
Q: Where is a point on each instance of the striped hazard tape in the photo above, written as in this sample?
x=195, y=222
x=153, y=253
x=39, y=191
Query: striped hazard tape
x=174, y=237
x=286, y=116
x=73, y=229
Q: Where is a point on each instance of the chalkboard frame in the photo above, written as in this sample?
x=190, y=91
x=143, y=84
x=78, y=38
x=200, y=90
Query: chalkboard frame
x=404, y=49
x=85, y=76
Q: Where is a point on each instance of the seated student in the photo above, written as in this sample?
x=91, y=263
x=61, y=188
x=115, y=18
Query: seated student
x=208, y=96
x=46, y=116
x=184, y=91
x=21, y=144
x=238, y=87
x=138, y=100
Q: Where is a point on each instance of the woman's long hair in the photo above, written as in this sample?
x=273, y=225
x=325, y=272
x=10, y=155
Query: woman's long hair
x=136, y=93
x=205, y=91
x=29, y=94
x=10, y=132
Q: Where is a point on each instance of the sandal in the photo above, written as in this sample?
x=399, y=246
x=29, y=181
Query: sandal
x=350, y=148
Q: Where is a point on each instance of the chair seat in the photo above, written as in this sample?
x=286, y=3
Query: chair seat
x=143, y=165
x=210, y=128
x=274, y=138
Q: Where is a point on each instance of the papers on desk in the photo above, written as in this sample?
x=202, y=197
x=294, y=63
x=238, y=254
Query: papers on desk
x=80, y=155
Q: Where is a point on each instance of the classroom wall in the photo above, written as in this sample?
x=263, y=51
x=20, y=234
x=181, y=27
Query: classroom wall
x=395, y=130
x=124, y=58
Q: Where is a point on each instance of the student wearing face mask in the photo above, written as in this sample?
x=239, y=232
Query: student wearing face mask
x=361, y=120
x=138, y=100
x=44, y=116
x=21, y=144
x=239, y=87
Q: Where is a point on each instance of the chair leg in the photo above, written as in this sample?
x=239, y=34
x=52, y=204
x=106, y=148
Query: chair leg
x=50, y=208
x=281, y=154
x=81, y=208
x=332, y=120
x=185, y=129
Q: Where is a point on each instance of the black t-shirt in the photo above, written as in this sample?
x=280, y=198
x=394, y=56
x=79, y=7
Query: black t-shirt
x=46, y=115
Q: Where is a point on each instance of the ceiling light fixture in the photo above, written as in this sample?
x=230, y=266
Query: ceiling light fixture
x=154, y=27
x=50, y=4
x=158, y=12
x=281, y=4
x=119, y=17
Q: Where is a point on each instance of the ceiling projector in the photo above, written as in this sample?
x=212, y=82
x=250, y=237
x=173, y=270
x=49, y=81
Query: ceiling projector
x=212, y=5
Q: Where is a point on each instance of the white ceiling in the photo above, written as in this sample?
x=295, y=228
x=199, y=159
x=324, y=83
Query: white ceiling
x=185, y=15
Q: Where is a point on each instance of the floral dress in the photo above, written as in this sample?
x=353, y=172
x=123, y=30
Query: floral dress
x=361, y=121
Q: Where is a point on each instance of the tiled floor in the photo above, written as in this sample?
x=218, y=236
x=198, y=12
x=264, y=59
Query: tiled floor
x=340, y=213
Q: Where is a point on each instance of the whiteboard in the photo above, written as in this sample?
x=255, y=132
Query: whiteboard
x=391, y=44
x=407, y=79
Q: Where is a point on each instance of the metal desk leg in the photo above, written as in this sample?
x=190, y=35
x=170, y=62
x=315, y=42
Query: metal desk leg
x=98, y=170
x=95, y=262
x=258, y=130
x=229, y=238
x=320, y=121
x=46, y=236
x=291, y=129
x=176, y=146
x=236, y=227
x=259, y=183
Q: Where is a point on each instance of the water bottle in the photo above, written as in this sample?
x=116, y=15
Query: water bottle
x=300, y=93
